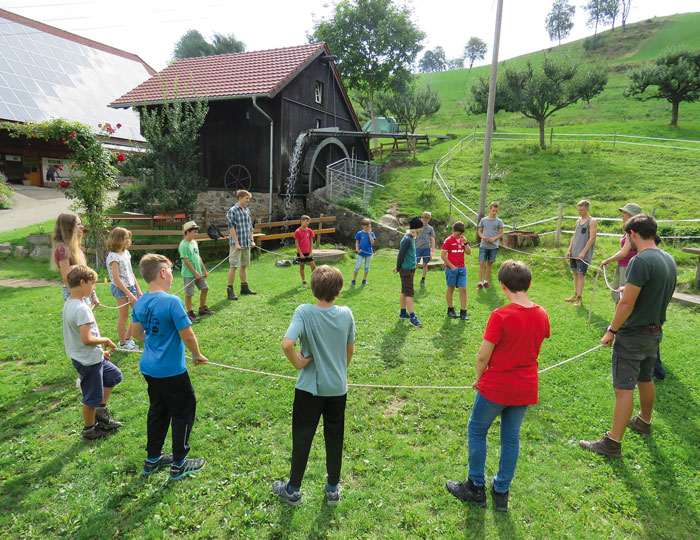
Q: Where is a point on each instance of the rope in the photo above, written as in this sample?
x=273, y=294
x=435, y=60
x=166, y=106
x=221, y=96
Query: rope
x=570, y=359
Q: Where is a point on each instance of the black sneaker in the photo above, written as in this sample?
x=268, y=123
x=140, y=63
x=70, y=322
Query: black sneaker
x=463, y=315
x=451, y=313
x=149, y=467
x=178, y=472
x=280, y=488
x=500, y=500
x=104, y=420
x=95, y=432
x=467, y=491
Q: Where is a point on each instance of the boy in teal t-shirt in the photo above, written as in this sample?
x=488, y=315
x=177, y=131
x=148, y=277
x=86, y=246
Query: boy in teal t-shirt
x=326, y=335
x=193, y=271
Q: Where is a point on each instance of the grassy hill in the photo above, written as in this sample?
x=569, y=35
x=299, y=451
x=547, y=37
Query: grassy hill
x=641, y=42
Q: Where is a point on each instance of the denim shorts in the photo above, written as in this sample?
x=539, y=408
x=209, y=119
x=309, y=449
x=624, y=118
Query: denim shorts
x=424, y=254
x=94, y=378
x=117, y=292
x=578, y=266
x=456, y=277
x=487, y=254
x=633, y=359
x=358, y=264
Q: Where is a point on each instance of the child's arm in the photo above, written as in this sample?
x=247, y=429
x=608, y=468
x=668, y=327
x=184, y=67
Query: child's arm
x=483, y=358
x=204, y=268
x=593, y=224
x=624, y=251
x=432, y=247
x=371, y=236
x=443, y=256
x=88, y=339
x=499, y=235
x=403, y=249
x=351, y=351
x=138, y=332
x=296, y=243
x=357, y=246
x=296, y=358
x=189, y=266
x=187, y=335
x=119, y=283
x=467, y=248
x=64, y=267
x=480, y=232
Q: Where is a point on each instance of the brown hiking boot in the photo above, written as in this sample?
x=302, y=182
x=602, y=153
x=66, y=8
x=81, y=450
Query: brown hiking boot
x=604, y=446
x=204, y=310
x=578, y=301
x=105, y=420
x=230, y=295
x=571, y=298
x=246, y=290
x=639, y=425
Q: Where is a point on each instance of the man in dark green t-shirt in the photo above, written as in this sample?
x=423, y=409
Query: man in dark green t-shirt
x=636, y=330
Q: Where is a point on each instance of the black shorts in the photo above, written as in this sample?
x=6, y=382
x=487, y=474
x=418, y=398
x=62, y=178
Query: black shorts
x=304, y=258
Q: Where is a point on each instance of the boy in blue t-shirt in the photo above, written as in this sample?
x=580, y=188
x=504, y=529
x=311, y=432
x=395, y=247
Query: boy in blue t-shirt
x=364, y=240
x=160, y=320
x=326, y=333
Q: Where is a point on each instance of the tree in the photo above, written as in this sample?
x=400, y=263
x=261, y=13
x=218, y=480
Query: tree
x=676, y=76
x=475, y=50
x=559, y=22
x=625, y=12
x=610, y=8
x=375, y=41
x=537, y=92
x=455, y=63
x=478, y=103
x=595, y=13
x=409, y=106
x=433, y=60
x=193, y=44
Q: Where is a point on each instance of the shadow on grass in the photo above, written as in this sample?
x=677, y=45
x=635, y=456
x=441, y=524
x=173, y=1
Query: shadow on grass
x=283, y=295
x=490, y=298
x=284, y=523
x=504, y=525
x=474, y=519
x=352, y=291
x=323, y=520
x=450, y=337
x=392, y=342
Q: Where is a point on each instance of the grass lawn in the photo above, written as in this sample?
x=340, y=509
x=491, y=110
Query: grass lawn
x=400, y=446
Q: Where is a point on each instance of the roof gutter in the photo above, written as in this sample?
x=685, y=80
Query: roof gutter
x=178, y=100
x=272, y=132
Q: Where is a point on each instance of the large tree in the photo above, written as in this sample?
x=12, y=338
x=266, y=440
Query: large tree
x=475, y=50
x=611, y=9
x=192, y=44
x=595, y=14
x=559, y=21
x=539, y=91
x=625, y=12
x=375, y=42
x=433, y=60
x=478, y=102
x=411, y=104
x=675, y=77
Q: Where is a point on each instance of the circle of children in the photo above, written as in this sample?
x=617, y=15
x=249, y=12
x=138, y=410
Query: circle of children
x=506, y=364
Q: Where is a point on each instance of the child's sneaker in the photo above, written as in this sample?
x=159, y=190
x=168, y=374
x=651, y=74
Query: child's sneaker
x=188, y=466
x=364, y=282
x=333, y=497
x=303, y=284
x=451, y=313
x=422, y=282
x=149, y=467
x=104, y=420
x=77, y=383
x=352, y=283
x=403, y=315
x=463, y=315
x=415, y=322
x=193, y=317
x=479, y=286
x=280, y=488
x=578, y=302
x=204, y=310
x=128, y=345
x=95, y=432
x=486, y=285
x=467, y=491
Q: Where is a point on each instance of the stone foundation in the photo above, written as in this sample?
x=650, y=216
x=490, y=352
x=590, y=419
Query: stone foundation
x=220, y=200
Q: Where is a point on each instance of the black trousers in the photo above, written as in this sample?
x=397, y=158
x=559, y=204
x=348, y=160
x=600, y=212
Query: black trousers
x=305, y=416
x=172, y=401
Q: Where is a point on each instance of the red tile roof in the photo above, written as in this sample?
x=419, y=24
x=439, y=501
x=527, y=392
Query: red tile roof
x=224, y=76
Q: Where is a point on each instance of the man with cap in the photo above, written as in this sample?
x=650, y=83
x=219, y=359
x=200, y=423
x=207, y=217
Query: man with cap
x=623, y=257
x=636, y=330
x=194, y=273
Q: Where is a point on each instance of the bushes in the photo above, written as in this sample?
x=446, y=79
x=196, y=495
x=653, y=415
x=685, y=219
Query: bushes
x=5, y=193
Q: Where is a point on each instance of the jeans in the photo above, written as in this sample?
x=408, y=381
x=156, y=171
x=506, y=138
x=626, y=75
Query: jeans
x=484, y=413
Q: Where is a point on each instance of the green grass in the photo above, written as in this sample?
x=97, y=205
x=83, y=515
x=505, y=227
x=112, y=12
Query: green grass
x=400, y=446
x=19, y=236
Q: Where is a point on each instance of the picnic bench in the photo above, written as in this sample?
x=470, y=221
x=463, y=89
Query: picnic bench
x=694, y=251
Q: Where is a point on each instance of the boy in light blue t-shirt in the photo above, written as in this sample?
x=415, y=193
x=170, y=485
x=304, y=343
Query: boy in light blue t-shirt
x=364, y=242
x=161, y=322
x=326, y=333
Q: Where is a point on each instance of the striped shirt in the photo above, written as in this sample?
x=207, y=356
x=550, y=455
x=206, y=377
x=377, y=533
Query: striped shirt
x=240, y=219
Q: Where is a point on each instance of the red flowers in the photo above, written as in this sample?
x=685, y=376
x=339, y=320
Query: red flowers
x=64, y=183
x=121, y=157
x=118, y=126
x=60, y=167
x=72, y=135
x=73, y=165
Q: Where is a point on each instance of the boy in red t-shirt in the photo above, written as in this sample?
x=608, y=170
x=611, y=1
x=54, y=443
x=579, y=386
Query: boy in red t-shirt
x=303, y=237
x=506, y=383
x=453, y=249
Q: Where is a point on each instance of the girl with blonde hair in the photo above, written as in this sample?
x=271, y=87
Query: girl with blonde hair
x=67, y=251
x=124, y=286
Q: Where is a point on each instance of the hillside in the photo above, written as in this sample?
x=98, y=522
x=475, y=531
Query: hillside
x=620, y=51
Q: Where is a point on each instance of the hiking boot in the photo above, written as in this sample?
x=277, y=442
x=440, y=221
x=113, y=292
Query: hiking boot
x=188, y=466
x=500, y=500
x=149, y=467
x=246, y=290
x=571, y=298
x=333, y=497
x=479, y=286
x=604, y=446
x=95, y=432
x=104, y=420
x=451, y=313
x=463, y=315
x=486, y=285
x=204, y=310
x=415, y=322
x=578, y=302
x=230, y=295
x=280, y=488
x=639, y=425
x=467, y=491
x=193, y=317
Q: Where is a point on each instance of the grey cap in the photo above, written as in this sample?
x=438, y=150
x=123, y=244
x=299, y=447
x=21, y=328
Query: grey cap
x=632, y=209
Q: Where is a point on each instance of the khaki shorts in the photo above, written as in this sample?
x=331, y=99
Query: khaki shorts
x=238, y=257
x=633, y=359
x=190, y=282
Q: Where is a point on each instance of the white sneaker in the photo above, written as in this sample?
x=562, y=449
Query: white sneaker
x=77, y=383
x=128, y=346
x=135, y=346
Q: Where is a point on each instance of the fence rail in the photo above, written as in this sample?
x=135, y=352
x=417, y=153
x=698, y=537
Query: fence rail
x=352, y=178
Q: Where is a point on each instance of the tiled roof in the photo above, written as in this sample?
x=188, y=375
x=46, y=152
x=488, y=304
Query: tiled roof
x=261, y=73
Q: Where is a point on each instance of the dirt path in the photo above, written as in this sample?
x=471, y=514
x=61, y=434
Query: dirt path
x=28, y=283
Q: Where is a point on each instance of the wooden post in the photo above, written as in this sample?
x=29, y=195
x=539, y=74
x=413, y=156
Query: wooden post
x=560, y=217
x=551, y=135
x=318, y=236
x=595, y=283
x=614, y=139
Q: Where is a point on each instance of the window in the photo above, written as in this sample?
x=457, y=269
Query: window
x=318, y=123
x=318, y=93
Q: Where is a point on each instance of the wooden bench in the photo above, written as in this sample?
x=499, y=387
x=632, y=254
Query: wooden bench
x=398, y=146
x=694, y=251
x=292, y=226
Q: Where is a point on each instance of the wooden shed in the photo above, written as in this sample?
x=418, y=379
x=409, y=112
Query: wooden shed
x=264, y=106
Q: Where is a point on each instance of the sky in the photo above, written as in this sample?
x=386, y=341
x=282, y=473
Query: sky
x=150, y=28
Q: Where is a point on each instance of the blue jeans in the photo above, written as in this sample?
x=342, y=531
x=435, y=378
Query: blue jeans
x=358, y=264
x=484, y=413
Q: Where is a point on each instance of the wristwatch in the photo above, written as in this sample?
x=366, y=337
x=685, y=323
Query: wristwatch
x=613, y=332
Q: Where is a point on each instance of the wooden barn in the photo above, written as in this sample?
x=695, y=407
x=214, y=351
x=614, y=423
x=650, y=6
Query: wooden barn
x=264, y=107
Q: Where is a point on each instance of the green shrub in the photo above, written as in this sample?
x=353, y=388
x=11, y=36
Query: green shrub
x=5, y=193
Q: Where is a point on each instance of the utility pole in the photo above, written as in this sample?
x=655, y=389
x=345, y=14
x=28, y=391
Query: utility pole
x=489, y=113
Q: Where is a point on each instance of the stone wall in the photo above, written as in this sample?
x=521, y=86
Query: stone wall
x=220, y=200
x=348, y=222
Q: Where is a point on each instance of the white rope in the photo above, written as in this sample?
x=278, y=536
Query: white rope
x=570, y=359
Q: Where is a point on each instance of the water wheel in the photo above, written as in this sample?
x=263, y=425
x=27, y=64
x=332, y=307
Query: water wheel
x=318, y=157
x=237, y=177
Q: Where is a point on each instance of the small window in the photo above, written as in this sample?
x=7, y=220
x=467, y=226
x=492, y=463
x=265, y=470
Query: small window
x=318, y=94
x=318, y=123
